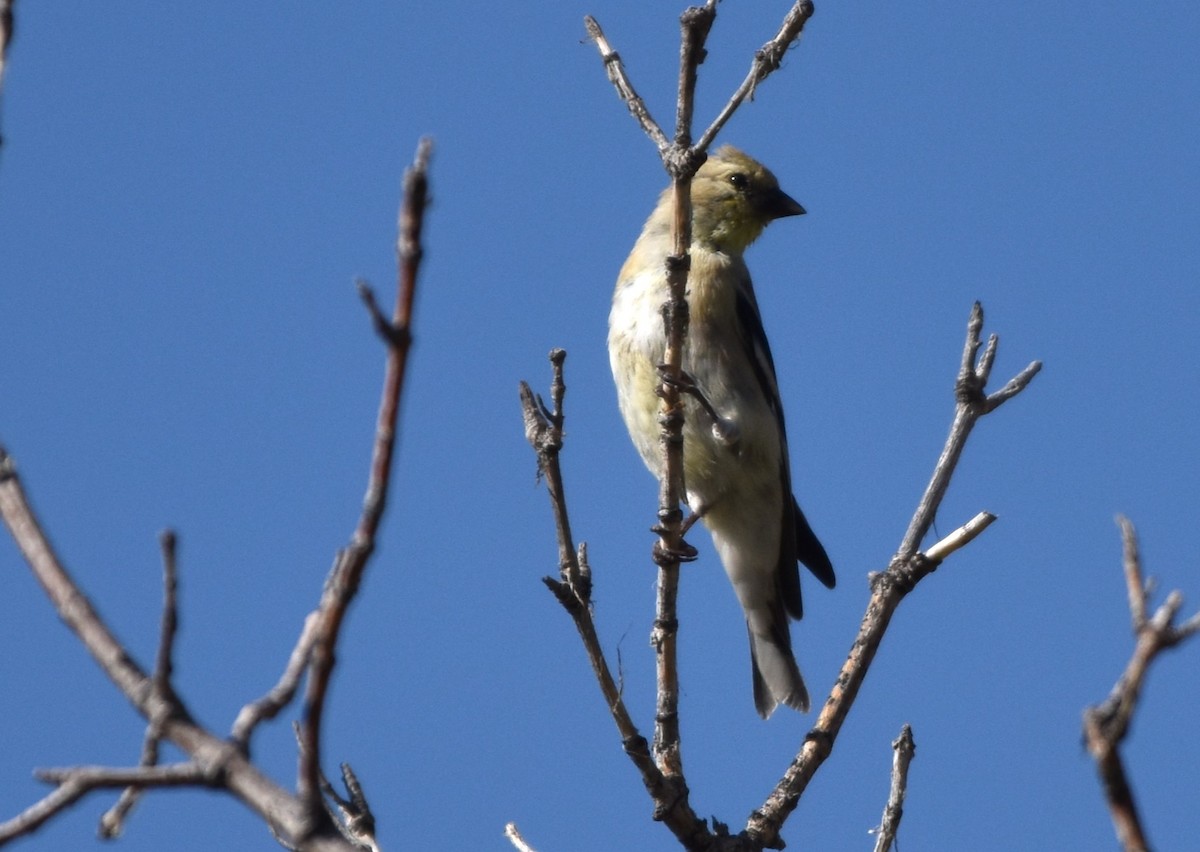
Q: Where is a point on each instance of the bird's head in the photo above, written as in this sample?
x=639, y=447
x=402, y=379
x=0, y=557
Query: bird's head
x=733, y=198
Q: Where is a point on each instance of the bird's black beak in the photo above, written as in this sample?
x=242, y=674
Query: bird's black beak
x=780, y=204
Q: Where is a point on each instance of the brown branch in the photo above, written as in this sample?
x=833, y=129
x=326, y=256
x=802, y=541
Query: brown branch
x=903, y=750
x=213, y=756
x=350, y=564
x=888, y=588
x=544, y=431
x=670, y=550
x=298, y=822
x=766, y=60
x=615, y=70
x=972, y=404
x=1105, y=725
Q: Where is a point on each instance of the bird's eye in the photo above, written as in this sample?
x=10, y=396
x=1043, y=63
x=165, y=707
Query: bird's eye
x=739, y=180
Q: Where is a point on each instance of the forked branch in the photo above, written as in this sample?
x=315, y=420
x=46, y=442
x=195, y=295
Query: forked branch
x=1106, y=725
x=300, y=821
x=908, y=567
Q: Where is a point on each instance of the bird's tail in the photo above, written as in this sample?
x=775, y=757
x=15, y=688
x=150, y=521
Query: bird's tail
x=777, y=678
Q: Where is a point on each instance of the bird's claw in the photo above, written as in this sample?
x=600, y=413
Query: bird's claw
x=724, y=430
x=670, y=555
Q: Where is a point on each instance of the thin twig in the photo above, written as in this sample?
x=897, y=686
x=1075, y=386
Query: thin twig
x=681, y=162
x=75, y=782
x=112, y=821
x=281, y=693
x=766, y=60
x=615, y=70
x=960, y=538
x=903, y=750
x=214, y=757
x=972, y=404
x=1106, y=725
x=344, y=579
x=888, y=588
x=515, y=838
x=544, y=431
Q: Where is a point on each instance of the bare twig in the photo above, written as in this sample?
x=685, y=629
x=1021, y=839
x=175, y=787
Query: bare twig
x=617, y=76
x=888, y=588
x=351, y=562
x=74, y=782
x=515, y=838
x=960, y=538
x=298, y=822
x=281, y=694
x=766, y=59
x=113, y=820
x=543, y=430
x=903, y=749
x=681, y=161
x=214, y=757
x=1105, y=725
x=354, y=813
x=972, y=404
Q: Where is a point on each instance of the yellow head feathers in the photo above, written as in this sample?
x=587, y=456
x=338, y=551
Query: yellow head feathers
x=733, y=198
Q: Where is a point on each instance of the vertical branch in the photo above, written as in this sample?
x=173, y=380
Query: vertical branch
x=573, y=589
x=351, y=562
x=113, y=820
x=903, y=750
x=681, y=162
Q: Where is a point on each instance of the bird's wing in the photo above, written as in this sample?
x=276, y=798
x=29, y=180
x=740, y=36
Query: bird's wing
x=797, y=540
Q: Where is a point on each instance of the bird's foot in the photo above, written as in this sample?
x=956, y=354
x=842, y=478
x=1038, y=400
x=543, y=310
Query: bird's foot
x=663, y=555
x=724, y=430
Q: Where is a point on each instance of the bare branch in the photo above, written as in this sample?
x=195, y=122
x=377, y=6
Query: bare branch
x=1134, y=584
x=617, y=76
x=960, y=538
x=297, y=822
x=908, y=567
x=515, y=838
x=95, y=777
x=1105, y=725
x=903, y=750
x=353, y=815
x=543, y=430
x=281, y=694
x=350, y=564
x=972, y=404
x=77, y=781
x=766, y=60
x=113, y=820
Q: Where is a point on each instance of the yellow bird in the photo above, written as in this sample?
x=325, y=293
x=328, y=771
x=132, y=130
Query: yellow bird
x=737, y=475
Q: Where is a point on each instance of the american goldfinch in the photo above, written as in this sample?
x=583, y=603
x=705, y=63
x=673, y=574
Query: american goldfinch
x=735, y=457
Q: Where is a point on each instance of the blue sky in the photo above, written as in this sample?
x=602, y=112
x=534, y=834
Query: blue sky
x=187, y=193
